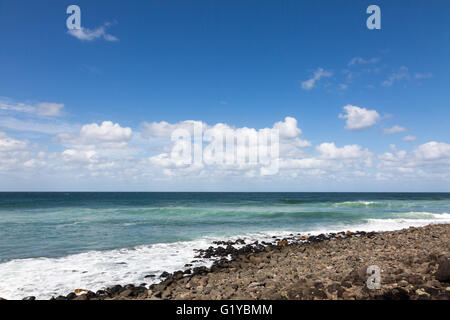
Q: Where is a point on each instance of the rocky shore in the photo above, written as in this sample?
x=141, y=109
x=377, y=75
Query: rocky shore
x=414, y=263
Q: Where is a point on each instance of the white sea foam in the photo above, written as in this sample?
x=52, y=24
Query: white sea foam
x=94, y=270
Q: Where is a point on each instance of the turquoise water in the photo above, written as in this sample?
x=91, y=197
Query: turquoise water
x=42, y=233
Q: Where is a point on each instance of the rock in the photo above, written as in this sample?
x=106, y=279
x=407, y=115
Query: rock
x=378, y=242
x=346, y=284
x=78, y=291
x=115, y=289
x=422, y=294
x=333, y=287
x=357, y=276
x=101, y=293
x=396, y=294
x=415, y=279
x=71, y=296
x=82, y=297
x=282, y=243
x=403, y=283
x=127, y=293
x=165, y=274
x=443, y=272
x=2, y=299
x=255, y=284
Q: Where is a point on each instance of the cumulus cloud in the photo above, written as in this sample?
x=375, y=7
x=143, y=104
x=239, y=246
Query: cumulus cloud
x=433, y=151
x=359, y=118
x=247, y=144
x=86, y=34
x=79, y=155
x=328, y=150
x=394, y=129
x=288, y=128
x=165, y=129
x=107, y=134
x=318, y=74
x=113, y=152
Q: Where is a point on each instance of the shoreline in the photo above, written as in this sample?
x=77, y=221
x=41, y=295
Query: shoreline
x=326, y=266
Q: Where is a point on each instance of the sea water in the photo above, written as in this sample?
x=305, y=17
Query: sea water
x=53, y=243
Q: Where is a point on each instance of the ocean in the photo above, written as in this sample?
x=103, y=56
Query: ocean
x=53, y=243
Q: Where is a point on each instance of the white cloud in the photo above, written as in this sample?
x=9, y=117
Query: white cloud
x=401, y=74
x=318, y=74
x=288, y=128
x=86, y=34
x=115, y=156
x=80, y=155
x=328, y=150
x=33, y=125
x=165, y=129
x=49, y=109
x=359, y=118
x=409, y=138
x=10, y=144
x=394, y=129
x=108, y=134
x=433, y=151
x=359, y=60
x=46, y=109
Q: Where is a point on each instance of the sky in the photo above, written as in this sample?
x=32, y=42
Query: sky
x=94, y=109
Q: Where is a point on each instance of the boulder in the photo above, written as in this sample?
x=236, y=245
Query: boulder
x=443, y=272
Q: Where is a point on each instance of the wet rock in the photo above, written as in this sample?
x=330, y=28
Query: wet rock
x=127, y=293
x=29, y=298
x=115, y=290
x=71, y=296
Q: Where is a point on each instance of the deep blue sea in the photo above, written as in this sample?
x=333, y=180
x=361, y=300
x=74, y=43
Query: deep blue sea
x=52, y=243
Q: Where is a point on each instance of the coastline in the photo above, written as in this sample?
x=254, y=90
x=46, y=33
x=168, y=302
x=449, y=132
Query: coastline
x=414, y=264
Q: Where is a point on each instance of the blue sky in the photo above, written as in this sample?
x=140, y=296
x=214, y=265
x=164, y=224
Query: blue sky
x=240, y=63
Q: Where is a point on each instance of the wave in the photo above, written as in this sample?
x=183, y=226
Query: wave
x=361, y=204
